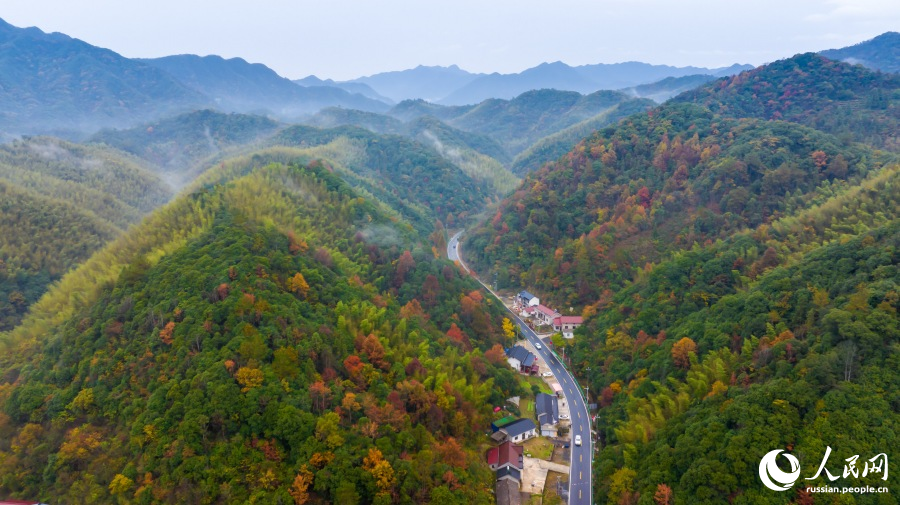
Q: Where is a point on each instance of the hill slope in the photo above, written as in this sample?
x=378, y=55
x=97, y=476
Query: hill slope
x=263, y=335
x=410, y=177
x=180, y=146
x=520, y=122
x=665, y=89
x=350, y=87
x=738, y=278
x=62, y=202
x=833, y=97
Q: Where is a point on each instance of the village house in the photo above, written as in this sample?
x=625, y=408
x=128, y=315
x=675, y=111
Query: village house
x=506, y=454
x=499, y=423
x=526, y=299
x=567, y=324
x=544, y=315
x=521, y=360
x=518, y=431
x=546, y=407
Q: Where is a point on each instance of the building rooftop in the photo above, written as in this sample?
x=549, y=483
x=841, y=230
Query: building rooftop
x=546, y=310
x=547, y=408
x=508, y=471
x=518, y=427
x=522, y=354
x=507, y=492
x=506, y=454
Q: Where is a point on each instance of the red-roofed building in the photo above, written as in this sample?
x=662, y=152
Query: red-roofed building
x=567, y=324
x=506, y=454
x=544, y=314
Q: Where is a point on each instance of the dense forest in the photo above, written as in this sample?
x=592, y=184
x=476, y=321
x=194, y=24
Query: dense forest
x=182, y=145
x=735, y=254
x=287, y=330
x=60, y=203
x=255, y=346
x=663, y=181
x=849, y=101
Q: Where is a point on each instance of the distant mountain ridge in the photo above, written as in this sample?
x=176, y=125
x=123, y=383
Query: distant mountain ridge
x=350, y=87
x=429, y=83
x=881, y=53
x=455, y=86
x=54, y=83
x=238, y=86
x=51, y=83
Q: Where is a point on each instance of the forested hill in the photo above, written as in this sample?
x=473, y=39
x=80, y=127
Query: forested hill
x=738, y=274
x=182, y=145
x=411, y=178
x=660, y=182
x=272, y=337
x=61, y=203
x=838, y=98
x=787, y=337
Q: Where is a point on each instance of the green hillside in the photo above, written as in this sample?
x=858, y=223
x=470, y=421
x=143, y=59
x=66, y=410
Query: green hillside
x=61, y=203
x=632, y=194
x=520, y=122
x=735, y=257
x=252, y=342
x=405, y=174
x=850, y=101
x=555, y=145
x=769, y=345
x=182, y=145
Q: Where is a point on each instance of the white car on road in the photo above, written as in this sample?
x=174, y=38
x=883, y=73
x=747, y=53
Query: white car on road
x=547, y=374
x=564, y=416
x=538, y=346
x=578, y=440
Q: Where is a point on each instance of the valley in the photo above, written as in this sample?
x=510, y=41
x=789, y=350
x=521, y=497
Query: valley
x=222, y=285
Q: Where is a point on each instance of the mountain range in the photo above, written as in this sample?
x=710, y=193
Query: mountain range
x=733, y=253
x=237, y=86
x=52, y=83
x=454, y=86
x=213, y=306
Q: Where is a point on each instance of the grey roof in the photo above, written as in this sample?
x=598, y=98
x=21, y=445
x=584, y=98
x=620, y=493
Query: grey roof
x=507, y=493
x=547, y=408
x=508, y=471
x=516, y=428
x=529, y=360
x=520, y=353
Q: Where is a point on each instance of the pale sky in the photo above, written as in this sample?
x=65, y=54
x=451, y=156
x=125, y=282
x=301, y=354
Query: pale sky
x=344, y=39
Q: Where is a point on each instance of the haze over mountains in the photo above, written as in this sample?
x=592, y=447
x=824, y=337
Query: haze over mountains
x=237, y=292
x=52, y=83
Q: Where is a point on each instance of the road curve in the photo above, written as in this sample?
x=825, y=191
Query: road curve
x=580, y=491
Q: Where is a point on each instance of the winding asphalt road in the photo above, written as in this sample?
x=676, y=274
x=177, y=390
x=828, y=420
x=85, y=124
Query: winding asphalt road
x=580, y=474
